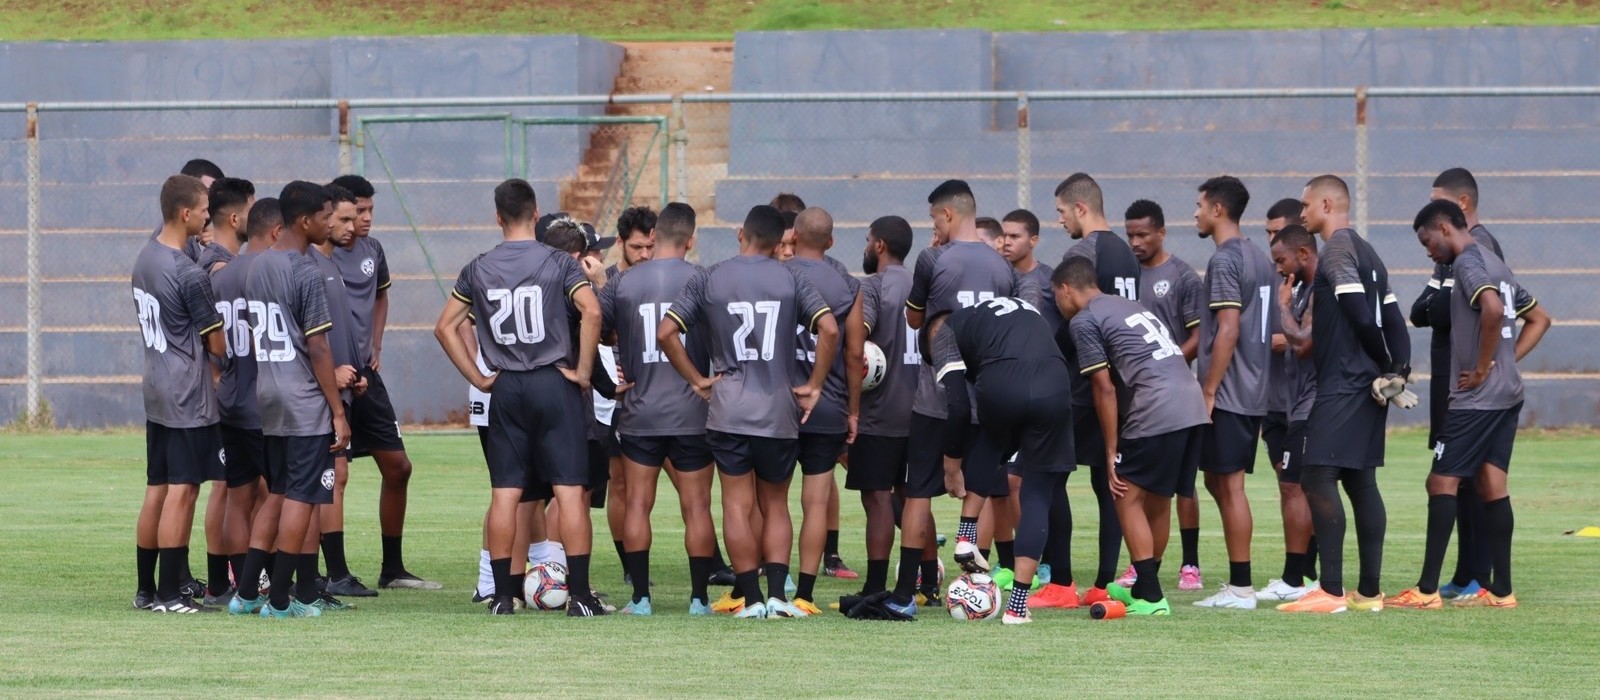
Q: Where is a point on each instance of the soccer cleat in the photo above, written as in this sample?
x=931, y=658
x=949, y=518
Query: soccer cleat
x=327, y=603
x=1092, y=596
x=1147, y=608
x=698, y=608
x=970, y=559
x=406, y=579
x=929, y=598
x=182, y=605
x=1316, y=600
x=751, y=612
x=834, y=566
x=1003, y=577
x=1010, y=619
x=1041, y=576
x=1128, y=577
x=939, y=540
x=1117, y=592
x=1356, y=601
x=783, y=608
x=586, y=606
x=599, y=599
x=1415, y=599
x=1450, y=591
x=350, y=587
x=907, y=611
x=193, y=588
x=1277, y=591
x=240, y=606
x=1485, y=599
x=218, y=601
x=639, y=607
x=264, y=584
x=295, y=609
x=788, y=585
x=728, y=604
x=807, y=607
x=144, y=600
x=722, y=577
x=1055, y=595
x=1189, y=579
x=1227, y=597
x=502, y=605
x=478, y=597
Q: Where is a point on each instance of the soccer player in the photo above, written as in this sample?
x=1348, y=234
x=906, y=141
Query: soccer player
x=636, y=227
x=302, y=415
x=1294, y=253
x=207, y=172
x=1159, y=439
x=231, y=200
x=1485, y=401
x=1359, y=348
x=883, y=416
x=375, y=430
x=1080, y=209
x=660, y=418
x=179, y=323
x=1004, y=349
x=788, y=203
x=992, y=233
x=1432, y=310
x=1281, y=386
x=750, y=306
x=1282, y=214
x=525, y=295
x=785, y=250
x=824, y=436
x=1235, y=349
x=1019, y=237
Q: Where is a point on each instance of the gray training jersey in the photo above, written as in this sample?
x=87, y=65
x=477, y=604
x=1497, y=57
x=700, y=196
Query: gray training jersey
x=172, y=299
x=838, y=288
x=1241, y=277
x=366, y=272
x=750, y=306
x=521, y=296
x=632, y=305
x=236, y=393
x=288, y=302
x=1162, y=396
x=1045, y=300
x=213, y=254
x=1173, y=292
x=1476, y=273
x=948, y=278
x=886, y=411
x=1302, y=371
x=341, y=339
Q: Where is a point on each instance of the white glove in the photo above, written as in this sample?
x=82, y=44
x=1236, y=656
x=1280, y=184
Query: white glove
x=1391, y=389
x=1404, y=399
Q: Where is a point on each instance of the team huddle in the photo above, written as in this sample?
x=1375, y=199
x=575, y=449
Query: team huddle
x=978, y=373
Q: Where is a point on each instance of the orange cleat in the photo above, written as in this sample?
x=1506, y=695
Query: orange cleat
x=1092, y=596
x=1485, y=599
x=1416, y=600
x=1055, y=595
x=1317, y=601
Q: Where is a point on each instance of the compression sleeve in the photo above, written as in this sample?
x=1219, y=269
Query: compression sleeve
x=1396, y=339
x=1359, y=312
x=958, y=422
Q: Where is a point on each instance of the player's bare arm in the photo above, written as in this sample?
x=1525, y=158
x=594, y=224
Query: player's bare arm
x=855, y=361
x=1490, y=310
x=454, y=316
x=1105, y=407
x=1222, y=348
x=678, y=356
x=322, y=366
x=808, y=394
x=588, y=337
x=1534, y=324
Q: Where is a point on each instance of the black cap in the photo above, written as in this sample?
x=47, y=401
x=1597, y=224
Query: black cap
x=543, y=224
x=594, y=241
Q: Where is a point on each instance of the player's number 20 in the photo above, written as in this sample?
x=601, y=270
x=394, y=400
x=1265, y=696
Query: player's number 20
x=525, y=307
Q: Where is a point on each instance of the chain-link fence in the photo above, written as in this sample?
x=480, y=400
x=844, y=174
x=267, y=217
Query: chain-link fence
x=67, y=338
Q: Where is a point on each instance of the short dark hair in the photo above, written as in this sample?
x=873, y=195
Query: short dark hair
x=340, y=194
x=264, y=216
x=1286, y=208
x=1075, y=272
x=789, y=217
x=955, y=193
x=1228, y=191
x=1024, y=217
x=1440, y=211
x=301, y=198
x=1295, y=237
x=358, y=186
x=201, y=167
x=636, y=219
x=990, y=226
x=180, y=192
x=1458, y=182
x=229, y=192
x=1330, y=181
x=895, y=234
x=1079, y=187
x=675, y=224
x=788, y=202
x=566, y=234
x=765, y=225
x=514, y=200
x=1146, y=209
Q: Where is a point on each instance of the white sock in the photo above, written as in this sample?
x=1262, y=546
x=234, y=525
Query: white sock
x=485, y=574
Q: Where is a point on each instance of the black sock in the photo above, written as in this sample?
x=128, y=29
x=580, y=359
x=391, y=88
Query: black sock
x=236, y=567
x=171, y=567
x=717, y=562
x=1292, y=567
x=877, y=575
x=804, y=590
x=906, y=585
x=249, y=576
x=1191, y=545
x=699, y=574
x=1308, y=565
x=394, y=562
x=146, y=560
x=333, y=552
x=637, y=564
x=622, y=554
x=305, y=585
x=578, y=575
x=930, y=576
x=1148, y=586
x=984, y=553
x=1007, y=549
x=501, y=569
x=1239, y=573
x=216, y=574
x=777, y=575
x=1441, y=521
x=747, y=585
x=282, y=575
x=1498, y=524
x=519, y=583
x=185, y=575
x=831, y=547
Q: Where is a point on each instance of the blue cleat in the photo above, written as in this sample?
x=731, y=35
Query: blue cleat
x=757, y=611
x=1451, y=591
x=641, y=607
x=1041, y=577
x=295, y=609
x=788, y=586
x=907, y=611
x=698, y=608
x=240, y=606
x=782, y=608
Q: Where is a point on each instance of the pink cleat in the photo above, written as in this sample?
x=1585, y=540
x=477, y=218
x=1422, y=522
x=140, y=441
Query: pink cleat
x=1127, y=578
x=1189, y=579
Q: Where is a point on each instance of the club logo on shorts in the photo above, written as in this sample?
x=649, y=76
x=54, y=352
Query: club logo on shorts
x=1161, y=288
x=1119, y=458
x=1438, y=450
x=222, y=456
x=327, y=479
x=367, y=267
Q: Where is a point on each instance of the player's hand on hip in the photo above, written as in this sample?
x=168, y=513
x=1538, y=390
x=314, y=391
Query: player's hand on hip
x=1211, y=402
x=954, y=483
x=702, y=386
x=341, y=434
x=345, y=376
x=807, y=396
x=485, y=383
x=1472, y=379
x=573, y=376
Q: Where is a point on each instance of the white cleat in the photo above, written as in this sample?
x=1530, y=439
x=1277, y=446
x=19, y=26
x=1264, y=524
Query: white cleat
x=970, y=559
x=1011, y=619
x=1230, y=597
x=1279, y=592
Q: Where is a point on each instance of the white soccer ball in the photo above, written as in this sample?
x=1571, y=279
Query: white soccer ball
x=877, y=367
x=973, y=597
x=545, y=587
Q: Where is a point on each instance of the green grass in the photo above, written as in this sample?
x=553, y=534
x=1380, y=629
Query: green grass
x=718, y=19
x=68, y=506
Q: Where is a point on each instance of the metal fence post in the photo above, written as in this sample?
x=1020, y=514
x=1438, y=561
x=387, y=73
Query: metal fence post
x=344, y=136
x=1024, y=153
x=680, y=142
x=1361, y=160
x=35, y=398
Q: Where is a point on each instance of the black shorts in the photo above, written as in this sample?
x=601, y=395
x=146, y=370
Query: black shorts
x=771, y=459
x=536, y=431
x=1274, y=434
x=611, y=441
x=1346, y=431
x=1161, y=463
x=1471, y=439
x=1024, y=417
x=689, y=453
x=1087, y=442
x=1294, y=452
x=925, y=458
x=876, y=463
x=819, y=452
x=1228, y=444
x=373, y=426
x=244, y=456
x=983, y=471
x=182, y=456
x=300, y=467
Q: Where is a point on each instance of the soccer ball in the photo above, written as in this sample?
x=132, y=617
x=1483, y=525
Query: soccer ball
x=546, y=586
x=877, y=367
x=973, y=597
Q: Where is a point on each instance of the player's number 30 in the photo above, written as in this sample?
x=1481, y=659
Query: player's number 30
x=149, y=309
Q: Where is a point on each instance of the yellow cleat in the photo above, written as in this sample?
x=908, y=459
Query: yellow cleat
x=807, y=607
x=1416, y=600
x=1364, y=604
x=1485, y=599
x=727, y=604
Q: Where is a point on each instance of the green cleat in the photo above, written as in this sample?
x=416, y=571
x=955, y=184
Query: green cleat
x=1003, y=578
x=1120, y=594
x=1145, y=607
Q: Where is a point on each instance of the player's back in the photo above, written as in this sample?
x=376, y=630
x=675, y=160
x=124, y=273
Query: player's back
x=173, y=300
x=886, y=411
x=838, y=289
x=236, y=392
x=1239, y=276
x=288, y=304
x=520, y=293
x=1117, y=270
x=1161, y=395
x=957, y=275
x=633, y=303
x=1346, y=264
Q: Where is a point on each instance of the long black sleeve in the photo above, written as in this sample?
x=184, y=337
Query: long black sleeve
x=602, y=382
x=1359, y=311
x=958, y=422
x=1419, y=308
x=1397, y=339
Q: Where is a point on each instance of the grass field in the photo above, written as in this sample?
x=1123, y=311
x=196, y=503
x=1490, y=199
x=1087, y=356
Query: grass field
x=69, y=501
x=718, y=19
